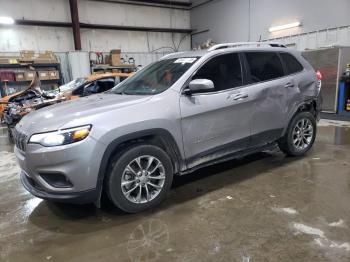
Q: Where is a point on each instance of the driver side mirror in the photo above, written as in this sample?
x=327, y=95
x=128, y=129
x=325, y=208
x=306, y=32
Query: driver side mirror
x=199, y=86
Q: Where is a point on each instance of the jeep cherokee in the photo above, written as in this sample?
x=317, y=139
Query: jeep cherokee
x=186, y=111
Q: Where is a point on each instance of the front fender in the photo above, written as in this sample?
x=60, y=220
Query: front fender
x=159, y=132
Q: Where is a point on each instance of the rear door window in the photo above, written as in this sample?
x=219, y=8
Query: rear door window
x=264, y=66
x=291, y=63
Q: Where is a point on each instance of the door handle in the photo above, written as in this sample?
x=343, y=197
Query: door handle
x=238, y=96
x=289, y=85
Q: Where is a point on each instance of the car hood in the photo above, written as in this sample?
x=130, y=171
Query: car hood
x=54, y=117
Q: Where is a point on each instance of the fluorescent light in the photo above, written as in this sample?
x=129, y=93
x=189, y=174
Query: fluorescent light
x=6, y=20
x=283, y=27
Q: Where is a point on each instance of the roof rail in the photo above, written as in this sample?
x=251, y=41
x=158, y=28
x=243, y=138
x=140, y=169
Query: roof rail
x=257, y=44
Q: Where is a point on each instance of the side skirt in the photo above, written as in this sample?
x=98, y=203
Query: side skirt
x=238, y=154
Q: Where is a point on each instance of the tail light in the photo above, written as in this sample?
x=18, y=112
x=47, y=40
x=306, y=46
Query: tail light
x=318, y=75
x=319, y=79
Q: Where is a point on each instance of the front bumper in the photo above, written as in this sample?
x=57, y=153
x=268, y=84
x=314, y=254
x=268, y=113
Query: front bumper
x=78, y=163
x=84, y=197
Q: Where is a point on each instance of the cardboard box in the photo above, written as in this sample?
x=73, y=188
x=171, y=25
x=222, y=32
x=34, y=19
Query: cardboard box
x=26, y=56
x=46, y=57
x=13, y=61
x=115, y=57
x=20, y=76
x=115, y=51
x=4, y=60
x=7, y=75
x=29, y=75
x=107, y=59
x=27, y=53
x=8, y=60
x=44, y=75
x=54, y=74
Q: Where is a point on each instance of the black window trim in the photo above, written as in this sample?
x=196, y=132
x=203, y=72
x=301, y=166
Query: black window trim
x=243, y=70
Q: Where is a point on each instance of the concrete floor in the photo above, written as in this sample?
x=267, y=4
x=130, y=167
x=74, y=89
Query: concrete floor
x=261, y=208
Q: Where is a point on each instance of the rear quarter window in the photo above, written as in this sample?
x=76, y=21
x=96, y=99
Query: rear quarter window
x=264, y=66
x=291, y=63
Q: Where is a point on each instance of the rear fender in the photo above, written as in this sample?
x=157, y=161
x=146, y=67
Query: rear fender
x=311, y=105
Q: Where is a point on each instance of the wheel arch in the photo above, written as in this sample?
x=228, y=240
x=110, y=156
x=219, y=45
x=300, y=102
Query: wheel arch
x=305, y=106
x=158, y=136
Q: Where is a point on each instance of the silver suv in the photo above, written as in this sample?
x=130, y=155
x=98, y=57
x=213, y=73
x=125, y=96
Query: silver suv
x=186, y=111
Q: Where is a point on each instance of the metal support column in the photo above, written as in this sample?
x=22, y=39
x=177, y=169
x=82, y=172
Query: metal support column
x=75, y=23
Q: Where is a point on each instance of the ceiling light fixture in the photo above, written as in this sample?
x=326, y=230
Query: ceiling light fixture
x=284, y=27
x=6, y=20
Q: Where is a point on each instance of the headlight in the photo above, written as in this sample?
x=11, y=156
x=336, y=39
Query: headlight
x=61, y=137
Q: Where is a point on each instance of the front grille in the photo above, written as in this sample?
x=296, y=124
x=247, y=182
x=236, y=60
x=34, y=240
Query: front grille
x=21, y=139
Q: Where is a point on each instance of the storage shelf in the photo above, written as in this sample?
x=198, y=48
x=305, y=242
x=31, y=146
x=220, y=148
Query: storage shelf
x=28, y=81
x=37, y=67
x=56, y=65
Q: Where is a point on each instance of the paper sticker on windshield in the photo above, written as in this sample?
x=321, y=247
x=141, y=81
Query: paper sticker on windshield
x=185, y=60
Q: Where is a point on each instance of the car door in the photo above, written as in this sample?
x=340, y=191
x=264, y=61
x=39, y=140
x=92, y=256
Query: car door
x=297, y=81
x=271, y=95
x=217, y=123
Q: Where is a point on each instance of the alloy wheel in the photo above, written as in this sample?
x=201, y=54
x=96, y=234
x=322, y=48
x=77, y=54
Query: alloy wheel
x=302, y=134
x=143, y=179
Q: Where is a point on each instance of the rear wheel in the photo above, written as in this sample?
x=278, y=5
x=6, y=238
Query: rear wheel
x=139, y=178
x=300, y=135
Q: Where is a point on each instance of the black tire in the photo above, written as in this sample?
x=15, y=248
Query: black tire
x=286, y=142
x=120, y=162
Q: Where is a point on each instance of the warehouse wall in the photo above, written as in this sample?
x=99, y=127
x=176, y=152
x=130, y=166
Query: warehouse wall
x=249, y=20
x=14, y=38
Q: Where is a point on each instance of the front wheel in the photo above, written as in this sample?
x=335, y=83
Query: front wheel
x=300, y=135
x=139, y=178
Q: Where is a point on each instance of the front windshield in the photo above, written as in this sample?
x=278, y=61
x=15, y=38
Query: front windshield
x=72, y=84
x=155, y=78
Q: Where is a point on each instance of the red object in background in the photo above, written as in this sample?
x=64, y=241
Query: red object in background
x=318, y=75
x=7, y=76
